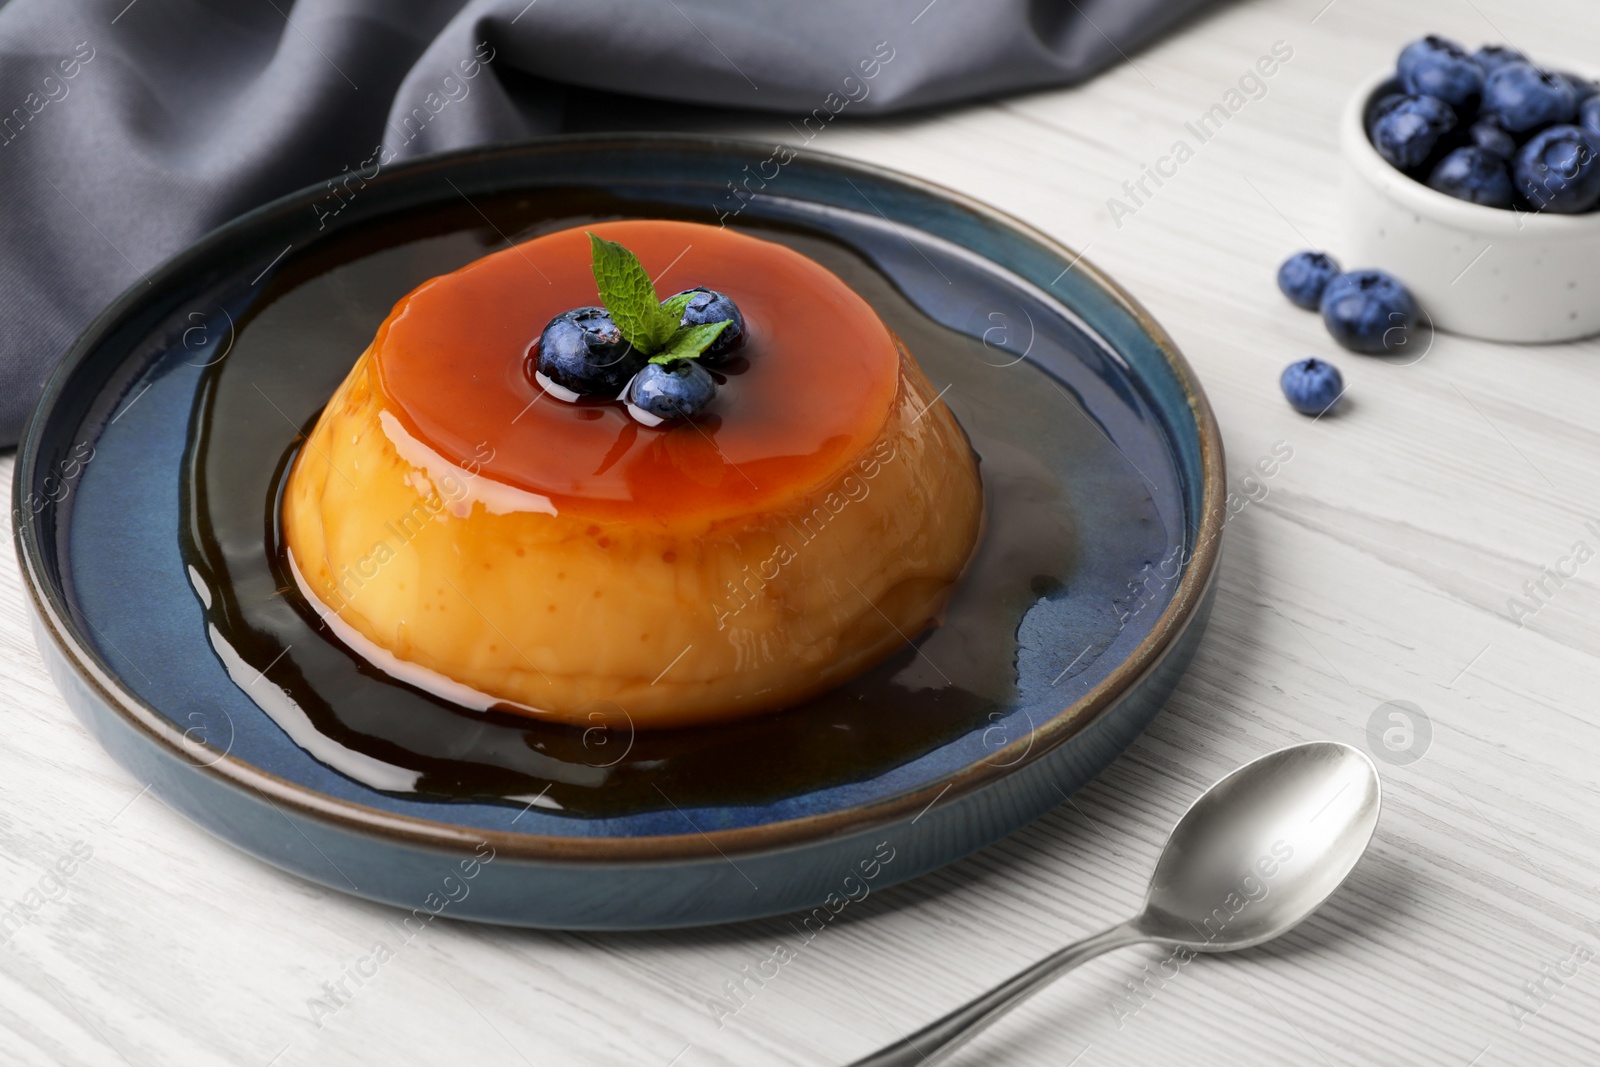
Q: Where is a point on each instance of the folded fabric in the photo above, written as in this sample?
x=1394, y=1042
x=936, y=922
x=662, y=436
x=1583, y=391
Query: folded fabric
x=127, y=130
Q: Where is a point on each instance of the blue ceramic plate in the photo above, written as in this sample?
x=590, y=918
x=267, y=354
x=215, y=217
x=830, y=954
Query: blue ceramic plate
x=1057, y=372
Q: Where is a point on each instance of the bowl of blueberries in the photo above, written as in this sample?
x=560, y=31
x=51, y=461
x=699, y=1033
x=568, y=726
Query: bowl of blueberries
x=1475, y=176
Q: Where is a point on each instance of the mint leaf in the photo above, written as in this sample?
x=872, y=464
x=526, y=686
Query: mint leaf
x=627, y=293
x=675, y=305
x=689, y=341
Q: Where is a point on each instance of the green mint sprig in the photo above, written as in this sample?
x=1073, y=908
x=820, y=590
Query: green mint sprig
x=646, y=323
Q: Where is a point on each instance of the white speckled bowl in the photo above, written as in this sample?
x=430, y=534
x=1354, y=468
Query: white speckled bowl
x=1485, y=272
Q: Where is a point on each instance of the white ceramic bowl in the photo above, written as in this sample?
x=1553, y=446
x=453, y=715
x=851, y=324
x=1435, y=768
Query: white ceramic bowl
x=1485, y=272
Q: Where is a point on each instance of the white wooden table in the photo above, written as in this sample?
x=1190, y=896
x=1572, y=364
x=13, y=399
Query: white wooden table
x=1375, y=565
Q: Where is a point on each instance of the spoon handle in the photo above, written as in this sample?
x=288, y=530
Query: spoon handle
x=938, y=1039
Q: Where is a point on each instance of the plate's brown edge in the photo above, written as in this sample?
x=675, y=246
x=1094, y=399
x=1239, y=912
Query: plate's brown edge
x=1179, y=613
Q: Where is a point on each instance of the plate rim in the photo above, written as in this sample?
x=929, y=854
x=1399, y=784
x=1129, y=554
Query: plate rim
x=53, y=614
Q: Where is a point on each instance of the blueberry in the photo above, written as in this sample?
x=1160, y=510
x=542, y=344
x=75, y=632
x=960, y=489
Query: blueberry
x=671, y=390
x=708, y=305
x=1381, y=107
x=1487, y=135
x=1475, y=175
x=583, y=351
x=1523, y=98
x=1406, y=134
x=1492, y=57
x=1369, y=311
x=1582, y=88
x=1434, y=66
x=1304, y=275
x=1589, y=115
x=1559, y=170
x=1311, y=385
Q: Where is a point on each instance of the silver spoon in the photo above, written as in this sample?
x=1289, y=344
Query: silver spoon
x=1253, y=856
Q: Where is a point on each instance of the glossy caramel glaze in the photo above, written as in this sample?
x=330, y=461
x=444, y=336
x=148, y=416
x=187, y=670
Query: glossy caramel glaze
x=819, y=374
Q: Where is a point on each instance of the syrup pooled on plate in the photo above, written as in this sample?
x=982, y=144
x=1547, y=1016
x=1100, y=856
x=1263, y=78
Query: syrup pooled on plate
x=296, y=345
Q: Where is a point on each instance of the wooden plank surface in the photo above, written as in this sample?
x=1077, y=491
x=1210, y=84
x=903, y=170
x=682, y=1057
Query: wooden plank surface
x=1375, y=565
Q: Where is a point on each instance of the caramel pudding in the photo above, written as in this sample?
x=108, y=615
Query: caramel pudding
x=473, y=535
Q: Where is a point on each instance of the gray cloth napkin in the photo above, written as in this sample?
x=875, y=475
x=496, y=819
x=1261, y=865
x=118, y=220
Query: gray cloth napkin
x=127, y=130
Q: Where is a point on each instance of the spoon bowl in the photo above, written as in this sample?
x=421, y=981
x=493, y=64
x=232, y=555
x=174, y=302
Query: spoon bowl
x=1262, y=849
x=1255, y=855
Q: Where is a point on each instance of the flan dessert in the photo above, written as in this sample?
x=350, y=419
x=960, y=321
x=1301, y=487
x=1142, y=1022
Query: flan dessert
x=467, y=522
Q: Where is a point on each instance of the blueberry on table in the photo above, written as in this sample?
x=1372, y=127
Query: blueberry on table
x=708, y=306
x=673, y=390
x=1434, y=66
x=583, y=351
x=1368, y=311
x=1589, y=115
x=1523, y=98
x=1492, y=57
x=1311, y=385
x=1475, y=175
x=1407, y=133
x=1304, y=276
x=1559, y=170
x=1487, y=135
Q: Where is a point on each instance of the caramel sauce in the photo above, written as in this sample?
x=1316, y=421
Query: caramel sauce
x=814, y=387
x=297, y=343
